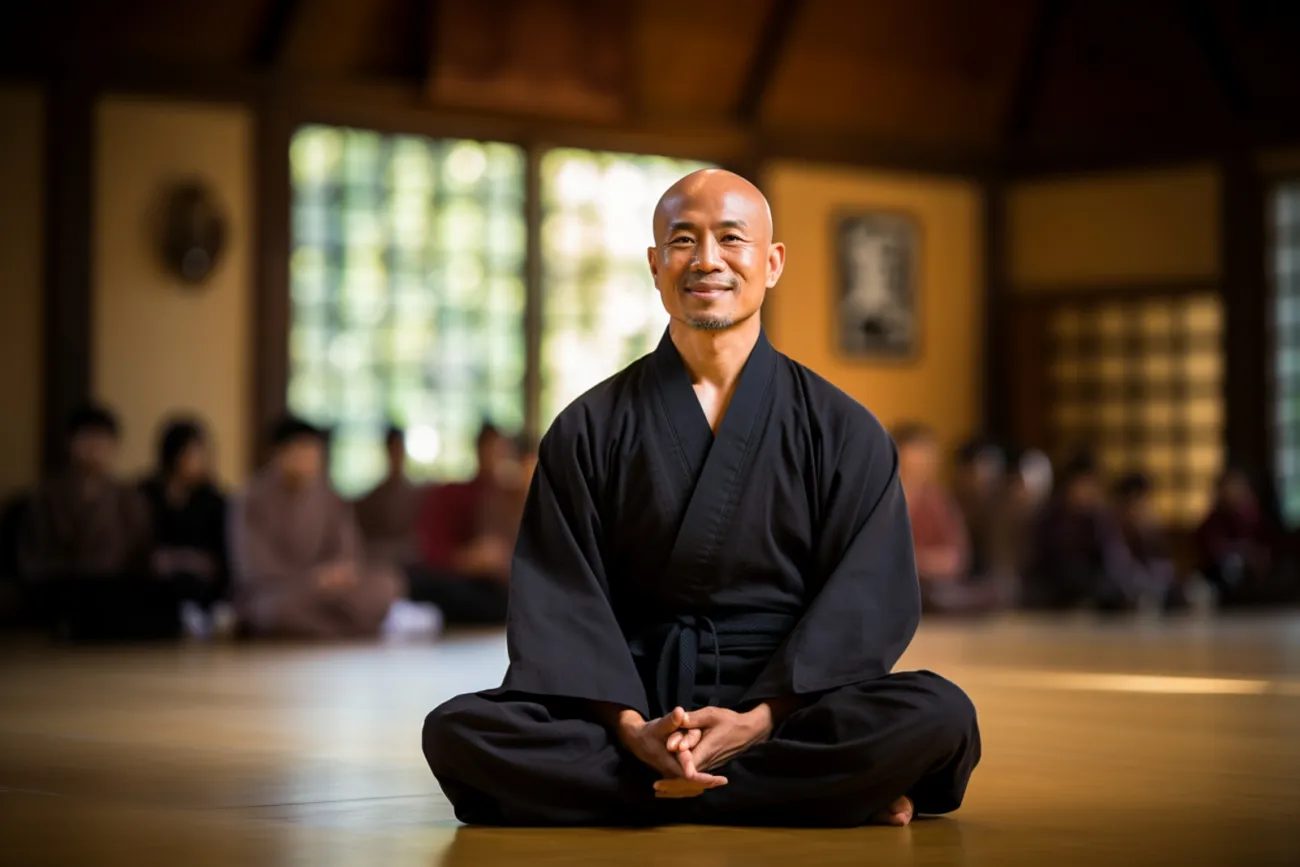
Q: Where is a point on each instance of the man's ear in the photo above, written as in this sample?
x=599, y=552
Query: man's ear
x=775, y=263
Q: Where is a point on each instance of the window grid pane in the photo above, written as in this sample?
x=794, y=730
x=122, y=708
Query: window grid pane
x=1285, y=268
x=407, y=295
x=1140, y=383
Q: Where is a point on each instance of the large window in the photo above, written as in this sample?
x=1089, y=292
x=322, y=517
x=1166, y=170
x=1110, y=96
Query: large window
x=408, y=288
x=600, y=309
x=1140, y=381
x=1286, y=337
x=407, y=295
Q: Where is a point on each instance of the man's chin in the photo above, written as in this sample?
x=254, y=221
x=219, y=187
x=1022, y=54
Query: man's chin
x=710, y=323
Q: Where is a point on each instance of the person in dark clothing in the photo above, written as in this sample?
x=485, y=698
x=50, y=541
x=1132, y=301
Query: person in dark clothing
x=85, y=542
x=466, y=535
x=1235, y=544
x=1080, y=560
x=188, y=515
x=1147, y=545
x=977, y=488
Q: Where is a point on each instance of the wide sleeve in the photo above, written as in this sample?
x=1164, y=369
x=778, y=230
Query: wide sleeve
x=562, y=635
x=865, y=602
x=255, y=562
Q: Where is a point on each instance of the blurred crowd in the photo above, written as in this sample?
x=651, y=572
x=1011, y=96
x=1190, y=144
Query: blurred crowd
x=1014, y=531
x=90, y=555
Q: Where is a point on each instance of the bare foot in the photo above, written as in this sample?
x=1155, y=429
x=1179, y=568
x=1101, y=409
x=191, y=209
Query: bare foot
x=898, y=813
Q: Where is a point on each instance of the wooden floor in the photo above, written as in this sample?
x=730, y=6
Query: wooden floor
x=1105, y=744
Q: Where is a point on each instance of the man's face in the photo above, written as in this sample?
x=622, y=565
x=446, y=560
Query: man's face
x=192, y=463
x=94, y=451
x=917, y=462
x=495, y=454
x=396, y=447
x=1137, y=510
x=302, y=460
x=713, y=259
x=1084, y=493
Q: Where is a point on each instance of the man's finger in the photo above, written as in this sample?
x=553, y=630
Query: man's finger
x=668, y=723
x=678, y=789
x=683, y=740
x=702, y=718
x=691, y=772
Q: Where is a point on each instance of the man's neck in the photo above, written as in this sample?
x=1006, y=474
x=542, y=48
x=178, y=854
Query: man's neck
x=715, y=357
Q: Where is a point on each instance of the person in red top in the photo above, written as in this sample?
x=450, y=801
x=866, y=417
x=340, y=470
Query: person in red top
x=1234, y=544
x=466, y=533
x=939, y=534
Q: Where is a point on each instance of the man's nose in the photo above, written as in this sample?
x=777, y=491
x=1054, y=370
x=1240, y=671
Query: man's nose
x=708, y=255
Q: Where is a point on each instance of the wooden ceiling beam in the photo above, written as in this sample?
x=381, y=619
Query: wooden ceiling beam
x=1029, y=81
x=782, y=17
x=1200, y=20
x=276, y=33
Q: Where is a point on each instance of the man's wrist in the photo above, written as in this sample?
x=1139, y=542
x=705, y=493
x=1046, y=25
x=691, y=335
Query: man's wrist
x=762, y=718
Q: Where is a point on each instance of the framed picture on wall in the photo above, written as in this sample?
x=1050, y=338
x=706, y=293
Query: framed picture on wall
x=876, y=313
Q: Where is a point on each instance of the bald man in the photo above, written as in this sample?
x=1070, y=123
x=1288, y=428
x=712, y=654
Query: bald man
x=712, y=583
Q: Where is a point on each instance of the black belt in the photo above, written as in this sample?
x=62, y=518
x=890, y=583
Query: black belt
x=675, y=649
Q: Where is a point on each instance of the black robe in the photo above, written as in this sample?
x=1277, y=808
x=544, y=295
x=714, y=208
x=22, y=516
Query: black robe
x=658, y=565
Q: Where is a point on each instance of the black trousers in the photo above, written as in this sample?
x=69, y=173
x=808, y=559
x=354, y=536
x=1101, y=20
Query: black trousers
x=527, y=760
x=463, y=600
x=113, y=608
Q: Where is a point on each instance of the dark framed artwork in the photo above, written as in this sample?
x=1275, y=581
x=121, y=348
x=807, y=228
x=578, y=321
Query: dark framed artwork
x=876, y=311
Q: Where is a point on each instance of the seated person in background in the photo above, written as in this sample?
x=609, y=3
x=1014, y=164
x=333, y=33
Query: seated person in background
x=467, y=534
x=1018, y=512
x=1153, y=560
x=1235, y=544
x=938, y=532
x=388, y=513
x=84, y=547
x=188, y=515
x=299, y=565
x=977, y=487
x=1080, y=558
x=713, y=582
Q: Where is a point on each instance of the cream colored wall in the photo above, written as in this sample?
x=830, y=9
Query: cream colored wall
x=159, y=347
x=1099, y=230
x=942, y=386
x=22, y=224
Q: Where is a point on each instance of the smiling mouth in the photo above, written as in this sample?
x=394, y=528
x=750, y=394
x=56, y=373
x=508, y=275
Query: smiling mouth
x=708, y=289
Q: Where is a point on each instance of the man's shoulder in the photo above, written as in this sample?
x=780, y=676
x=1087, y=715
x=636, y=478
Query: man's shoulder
x=830, y=409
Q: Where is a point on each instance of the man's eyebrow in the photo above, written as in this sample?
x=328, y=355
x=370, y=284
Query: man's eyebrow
x=687, y=225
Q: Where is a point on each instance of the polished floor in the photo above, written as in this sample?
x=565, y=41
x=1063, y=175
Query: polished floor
x=1106, y=743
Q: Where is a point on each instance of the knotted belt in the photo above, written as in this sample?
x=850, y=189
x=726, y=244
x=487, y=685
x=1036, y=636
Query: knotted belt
x=674, y=647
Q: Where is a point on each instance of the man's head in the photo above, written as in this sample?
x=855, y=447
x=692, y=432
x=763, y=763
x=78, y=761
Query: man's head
x=299, y=451
x=980, y=467
x=1133, y=498
x=496, y=453
x=93, y=439
x=1081, y=484
x=183, y=453
x=714, y=259
x=395, y=448
x=1236, y=490
x=918, y=454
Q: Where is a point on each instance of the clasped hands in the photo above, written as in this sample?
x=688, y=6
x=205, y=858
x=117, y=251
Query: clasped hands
x=685, y=746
